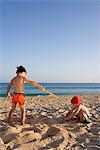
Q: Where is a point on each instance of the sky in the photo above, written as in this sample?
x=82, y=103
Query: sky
x=56, y=41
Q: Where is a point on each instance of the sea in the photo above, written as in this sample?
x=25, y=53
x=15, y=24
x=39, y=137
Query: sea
x=56, y=88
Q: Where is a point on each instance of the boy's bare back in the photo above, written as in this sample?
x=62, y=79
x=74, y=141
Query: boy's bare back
x=18, y=83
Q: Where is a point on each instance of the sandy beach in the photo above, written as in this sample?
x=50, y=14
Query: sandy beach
x=45, y=127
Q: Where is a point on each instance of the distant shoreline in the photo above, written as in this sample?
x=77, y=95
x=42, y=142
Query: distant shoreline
x=56, y=88
x=46, y=95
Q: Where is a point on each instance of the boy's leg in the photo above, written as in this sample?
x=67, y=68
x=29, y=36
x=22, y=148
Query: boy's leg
x=22, y=109
x=11, y=112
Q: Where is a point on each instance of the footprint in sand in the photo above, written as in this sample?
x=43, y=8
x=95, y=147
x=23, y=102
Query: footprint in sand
x=27, y=137
x=9, y=134
x=55, y=137
x=14, y=137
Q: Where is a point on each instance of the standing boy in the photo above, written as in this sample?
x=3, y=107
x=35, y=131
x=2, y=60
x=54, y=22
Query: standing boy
x=18, y=95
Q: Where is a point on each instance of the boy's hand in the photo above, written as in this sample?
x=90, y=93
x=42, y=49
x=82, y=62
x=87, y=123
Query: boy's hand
x=50, y=93
x=43, y=89
x=8, y=95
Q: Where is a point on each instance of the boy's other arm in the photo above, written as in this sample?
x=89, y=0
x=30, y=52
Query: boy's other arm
x=8, y=88
x=34, y=84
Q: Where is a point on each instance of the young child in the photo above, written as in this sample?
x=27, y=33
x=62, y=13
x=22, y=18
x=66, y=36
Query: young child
x=18, y=95
x=79, y=110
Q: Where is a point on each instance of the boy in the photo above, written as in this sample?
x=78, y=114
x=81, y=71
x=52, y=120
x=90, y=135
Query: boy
x=18, y=95
x=79, y=110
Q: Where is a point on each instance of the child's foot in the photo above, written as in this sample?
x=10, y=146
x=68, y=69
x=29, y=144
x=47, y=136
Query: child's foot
x=87, y=121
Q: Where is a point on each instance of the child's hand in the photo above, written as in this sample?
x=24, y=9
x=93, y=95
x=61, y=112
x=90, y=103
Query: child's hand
x=65, y=113
x=8, y=96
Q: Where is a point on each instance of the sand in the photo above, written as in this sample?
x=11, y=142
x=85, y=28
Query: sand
x=45, y=127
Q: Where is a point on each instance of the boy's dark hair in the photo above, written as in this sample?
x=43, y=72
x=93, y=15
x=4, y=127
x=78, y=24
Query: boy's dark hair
x=20, y=69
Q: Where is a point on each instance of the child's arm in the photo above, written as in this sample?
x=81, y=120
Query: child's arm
x=8, y=89
x=69, y=115
x=35, y=84
x=73, y=113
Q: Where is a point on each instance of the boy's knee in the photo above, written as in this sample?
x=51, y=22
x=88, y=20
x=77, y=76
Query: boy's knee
x=22, y=111
x=12, y=110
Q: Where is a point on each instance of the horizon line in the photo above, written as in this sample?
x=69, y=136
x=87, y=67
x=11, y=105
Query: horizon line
x=62, y=82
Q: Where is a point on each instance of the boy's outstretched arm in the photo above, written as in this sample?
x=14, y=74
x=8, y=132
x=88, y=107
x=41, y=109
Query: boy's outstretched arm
x=35, y=84
x=41, y=87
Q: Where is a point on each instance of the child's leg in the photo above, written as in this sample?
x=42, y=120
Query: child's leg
x=82, y=116
x=22, y=109
x=11, y=112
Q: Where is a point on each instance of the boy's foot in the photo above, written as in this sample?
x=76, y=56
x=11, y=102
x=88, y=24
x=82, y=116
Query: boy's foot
x=22, y=123
x=10, y=122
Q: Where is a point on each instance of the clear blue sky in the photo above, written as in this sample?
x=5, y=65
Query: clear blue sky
x=57, y=41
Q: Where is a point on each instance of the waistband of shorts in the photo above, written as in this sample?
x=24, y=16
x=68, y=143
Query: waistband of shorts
x=19, y=93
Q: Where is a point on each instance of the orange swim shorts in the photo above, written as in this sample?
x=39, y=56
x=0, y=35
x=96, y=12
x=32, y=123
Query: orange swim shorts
x=18, y=98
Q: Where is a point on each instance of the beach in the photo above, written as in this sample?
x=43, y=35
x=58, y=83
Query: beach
x=46, y=128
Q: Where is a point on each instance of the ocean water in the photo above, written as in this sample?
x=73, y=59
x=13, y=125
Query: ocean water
x=57, y=88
